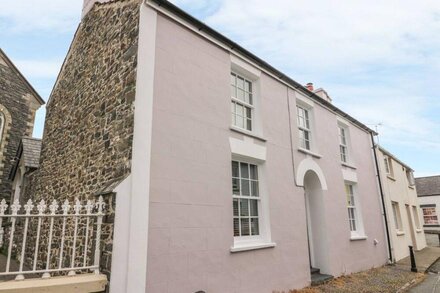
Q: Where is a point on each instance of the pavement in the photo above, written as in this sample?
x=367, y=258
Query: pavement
x=424, y=259
x=431, y=284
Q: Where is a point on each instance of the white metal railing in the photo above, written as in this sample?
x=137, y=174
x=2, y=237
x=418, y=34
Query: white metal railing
x=83, y=218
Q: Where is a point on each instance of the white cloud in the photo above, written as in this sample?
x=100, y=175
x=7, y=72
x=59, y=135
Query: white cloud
x=39, y=69
x=39, y=15
x=322, y=34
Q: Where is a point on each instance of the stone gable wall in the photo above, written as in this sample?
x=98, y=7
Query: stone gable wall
x=15, y=105
x=89, y=122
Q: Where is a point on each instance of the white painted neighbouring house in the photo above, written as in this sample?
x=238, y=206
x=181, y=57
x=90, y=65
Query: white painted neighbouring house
x=402, y=205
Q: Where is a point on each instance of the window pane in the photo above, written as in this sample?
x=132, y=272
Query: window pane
x=248, y=86
x=254, y=172
x=254, y=208
x=236, y=186
x=236, y=227
x=307, y=145
x=244, y=207
x=240, y=94
x=248, y=112
x=254, y=188
x=240, y=82
x=235, y=207
x=232, y=79
x=301, y=122
x=235, y=172
x=244, y=168
x=249, y=124
x=352, y=220
x=254, y=226
x=245, y=189
x=239, y=109
x=245, y=227
x=233, y=91
x=250, y=100
x=240, y=121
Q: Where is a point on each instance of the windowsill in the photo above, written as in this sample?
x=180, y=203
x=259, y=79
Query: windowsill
x=252, y=246
x=400, y=233
x=357, y=238
x=348, y=165
x=391, y=177
x=419, y=230
x=309, y=153
x=247, y=132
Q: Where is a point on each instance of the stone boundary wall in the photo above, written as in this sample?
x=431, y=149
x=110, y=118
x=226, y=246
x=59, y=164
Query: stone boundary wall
x=88, y=134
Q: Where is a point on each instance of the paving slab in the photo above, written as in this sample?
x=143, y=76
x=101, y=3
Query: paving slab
x=424, y=259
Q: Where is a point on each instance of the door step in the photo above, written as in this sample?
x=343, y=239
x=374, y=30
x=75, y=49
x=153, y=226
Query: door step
x=314, y=270
x=318, y=278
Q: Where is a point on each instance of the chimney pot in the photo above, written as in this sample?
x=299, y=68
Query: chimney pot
x=309, y=86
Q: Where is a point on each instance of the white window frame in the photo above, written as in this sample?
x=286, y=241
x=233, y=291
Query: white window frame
x=343, y=144
x=303, y=114
x=353, y=204
x=397, y=216
x=252, y=74
x=434, y=214
x=388, y=165
x=246, y=104
x=249, y=198
x=263, y=240
x=416, y=218
x=410, y=177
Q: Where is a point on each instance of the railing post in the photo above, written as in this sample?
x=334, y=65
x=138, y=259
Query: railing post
x=100, y=205
x=15, y=207
x=41, y=207
x=413, y=260
x=53, y=208
x=77, y=208
x=89, y=207
x=3, y=207
x=28, y=208
x=66, y=208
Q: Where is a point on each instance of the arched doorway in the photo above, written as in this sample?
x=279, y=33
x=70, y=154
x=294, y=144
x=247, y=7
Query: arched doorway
x=316, y=222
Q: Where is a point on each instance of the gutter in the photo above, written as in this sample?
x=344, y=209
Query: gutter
x=379, y=180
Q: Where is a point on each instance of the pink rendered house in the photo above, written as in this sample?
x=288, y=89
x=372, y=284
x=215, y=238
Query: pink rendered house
x=242, y=179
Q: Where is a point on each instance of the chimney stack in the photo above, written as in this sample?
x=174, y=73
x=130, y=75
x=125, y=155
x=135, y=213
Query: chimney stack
x=309, y=86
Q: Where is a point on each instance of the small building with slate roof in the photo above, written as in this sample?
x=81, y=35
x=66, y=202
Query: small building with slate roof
x=428, y=191
x=26, y=161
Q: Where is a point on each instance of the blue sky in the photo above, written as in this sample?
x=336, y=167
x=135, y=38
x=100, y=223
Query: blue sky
x=379, y=60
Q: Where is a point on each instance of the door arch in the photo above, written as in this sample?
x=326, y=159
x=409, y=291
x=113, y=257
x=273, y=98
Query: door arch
x=312, y=178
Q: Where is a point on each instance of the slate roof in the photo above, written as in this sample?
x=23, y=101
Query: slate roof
x=428, y=186
x=31, y=151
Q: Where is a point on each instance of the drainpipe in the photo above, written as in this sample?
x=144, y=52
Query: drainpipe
x=382, y=198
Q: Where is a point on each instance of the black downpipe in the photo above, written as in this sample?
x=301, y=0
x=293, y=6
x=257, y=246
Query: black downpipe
x=382, y=198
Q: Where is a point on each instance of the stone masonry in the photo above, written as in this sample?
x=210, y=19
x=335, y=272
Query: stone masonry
x=89, y=122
